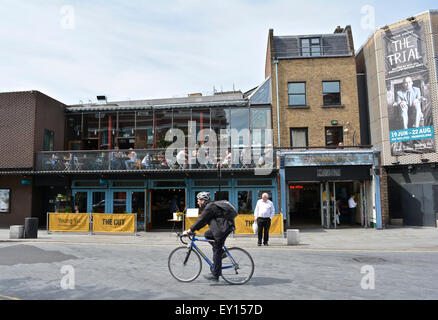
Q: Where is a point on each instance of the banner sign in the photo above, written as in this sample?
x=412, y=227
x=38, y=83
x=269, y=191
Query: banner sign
x=329, y=159
x=408, y=83
x=244, y=224
x=190, y=221
x=69, y=222
x=114, y=223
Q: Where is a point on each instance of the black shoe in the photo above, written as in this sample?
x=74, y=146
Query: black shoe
x=211, y=278
x=265, y=244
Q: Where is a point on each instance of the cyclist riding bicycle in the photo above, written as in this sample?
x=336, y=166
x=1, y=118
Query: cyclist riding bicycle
x=219, y=215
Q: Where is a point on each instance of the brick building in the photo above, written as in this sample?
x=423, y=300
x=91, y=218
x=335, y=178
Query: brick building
x=317, y=127
x=399, y=62
x=31, y=122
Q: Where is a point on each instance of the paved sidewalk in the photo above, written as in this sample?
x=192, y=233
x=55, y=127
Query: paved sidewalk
x=350, y=239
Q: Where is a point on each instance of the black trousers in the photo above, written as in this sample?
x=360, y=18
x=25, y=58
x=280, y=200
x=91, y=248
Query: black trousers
x=217, y=251
x=352, y=215
x=263, y=225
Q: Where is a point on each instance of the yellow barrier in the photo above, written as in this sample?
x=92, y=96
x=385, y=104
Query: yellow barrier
x=69, y=222
x=244, y=223
x=114, y=223
x=190, y=221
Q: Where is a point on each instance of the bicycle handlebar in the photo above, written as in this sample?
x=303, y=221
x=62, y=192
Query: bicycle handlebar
x=181, y=236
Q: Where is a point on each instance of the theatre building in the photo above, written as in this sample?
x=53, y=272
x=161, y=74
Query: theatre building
x=321, y=141
x=399, y=63
x=110, y=157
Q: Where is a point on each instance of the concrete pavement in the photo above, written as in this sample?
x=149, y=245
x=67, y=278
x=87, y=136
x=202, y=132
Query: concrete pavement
x=349, y=239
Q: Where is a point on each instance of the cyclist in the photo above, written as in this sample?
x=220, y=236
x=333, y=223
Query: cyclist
x=221, y=224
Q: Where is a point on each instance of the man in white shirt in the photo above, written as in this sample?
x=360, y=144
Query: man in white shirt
x=352, y=208
x=263, y=214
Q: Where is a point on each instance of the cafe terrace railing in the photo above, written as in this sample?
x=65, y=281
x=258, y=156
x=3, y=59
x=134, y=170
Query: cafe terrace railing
x=153, y=159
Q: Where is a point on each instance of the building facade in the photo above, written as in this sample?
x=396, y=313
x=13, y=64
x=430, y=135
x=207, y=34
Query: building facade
x=149, y=157
x=399, y=62
x=317, y=130
x=31, y=122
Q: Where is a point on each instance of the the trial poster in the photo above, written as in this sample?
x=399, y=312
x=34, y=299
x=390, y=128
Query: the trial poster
x=408, y=90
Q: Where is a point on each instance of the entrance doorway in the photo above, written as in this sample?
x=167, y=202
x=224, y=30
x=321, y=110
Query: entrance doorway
x=164, y=202
x=314, y=204
x=304, y=205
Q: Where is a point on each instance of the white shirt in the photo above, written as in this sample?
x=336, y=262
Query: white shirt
x=352, y=203
x=264, y=209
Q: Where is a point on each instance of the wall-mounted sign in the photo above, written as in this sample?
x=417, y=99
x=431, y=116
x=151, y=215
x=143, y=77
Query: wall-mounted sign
x=327, y=159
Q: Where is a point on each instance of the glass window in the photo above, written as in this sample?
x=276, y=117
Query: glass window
x=98, y=202
x=81, y=202
x=74, y=132
x=260, y=126
x=221, y=195
x=91, y=125
x=49, y=140
x=331, y=91
x=310, y=47
x=181, y=118
x=298, y=137
x=220, y=120
x=239, y=122
x=202, y=118
x=297, y=93
x=244, y=199
x=107, y=132
x=333, y=135
x=162, y=123
x=144, y=137
x=119, y=202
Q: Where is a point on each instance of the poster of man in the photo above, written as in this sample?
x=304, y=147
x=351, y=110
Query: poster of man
x=407, y=82
x=4, y=200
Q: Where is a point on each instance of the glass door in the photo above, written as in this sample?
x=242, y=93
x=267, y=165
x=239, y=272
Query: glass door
x=138, y=207
x=99, y=202
x=119, y=202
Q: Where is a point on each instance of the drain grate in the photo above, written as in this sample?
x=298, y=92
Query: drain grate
x=369, y=259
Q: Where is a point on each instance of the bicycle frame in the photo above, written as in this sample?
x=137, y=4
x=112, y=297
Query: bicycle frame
x=193, y=245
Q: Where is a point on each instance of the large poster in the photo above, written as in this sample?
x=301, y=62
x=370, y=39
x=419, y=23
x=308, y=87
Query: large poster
x=408, y=90
x=5, y=196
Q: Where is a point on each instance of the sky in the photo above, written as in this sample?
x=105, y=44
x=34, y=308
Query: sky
x=130, y=50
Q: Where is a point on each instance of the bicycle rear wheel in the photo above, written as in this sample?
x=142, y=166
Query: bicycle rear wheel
x=237, y=267
x=184, y=264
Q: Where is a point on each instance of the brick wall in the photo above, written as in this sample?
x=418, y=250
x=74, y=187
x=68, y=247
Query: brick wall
x=316, y=117
x=17, y=123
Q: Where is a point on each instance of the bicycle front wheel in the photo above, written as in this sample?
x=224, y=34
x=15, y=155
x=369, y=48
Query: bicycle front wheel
x=237, y=267
x=184, y=264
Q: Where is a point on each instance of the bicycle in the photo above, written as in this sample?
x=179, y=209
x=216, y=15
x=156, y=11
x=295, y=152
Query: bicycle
x=185, y=263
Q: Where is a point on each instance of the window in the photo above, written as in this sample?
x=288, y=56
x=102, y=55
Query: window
x=49, y=140
x=299, y=137
x=260, y=123
x=333, y=135
x=311, y=47
x=331, y=92
x=297, y=93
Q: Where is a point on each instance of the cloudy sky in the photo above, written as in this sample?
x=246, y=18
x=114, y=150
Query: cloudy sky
x=74, y=50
